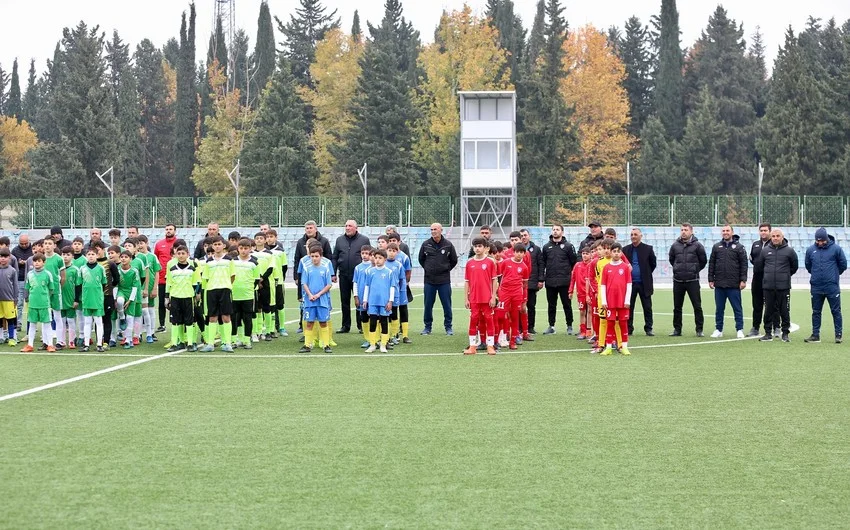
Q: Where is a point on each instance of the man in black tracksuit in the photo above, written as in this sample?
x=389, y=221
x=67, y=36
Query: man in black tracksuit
x=346, y=256
x=687, y=259
x=777, y=263
x=758, y=292
x=438, y=257
x=727, y=275
x=535, y=278
x=559, y=256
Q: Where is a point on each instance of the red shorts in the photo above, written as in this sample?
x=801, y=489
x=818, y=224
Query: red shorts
x=617, y=314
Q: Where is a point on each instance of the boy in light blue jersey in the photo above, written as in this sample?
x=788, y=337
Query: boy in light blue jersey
x=378, y=295
x=400, y=317
x=316, y=284
x=359, y=287
x=299, y=269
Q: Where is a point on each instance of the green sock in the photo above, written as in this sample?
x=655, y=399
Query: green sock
x=175, y=335
x=211, y=330
x=281, y=315
x=240, y=335
x=190, y=335
x=269, y=322
x=258, y=322
x=226, y=333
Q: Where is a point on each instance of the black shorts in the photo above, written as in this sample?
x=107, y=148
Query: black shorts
x=182, y=311
x=244, y=308
x=278, y=296
x=264, y=298
x=219, y=302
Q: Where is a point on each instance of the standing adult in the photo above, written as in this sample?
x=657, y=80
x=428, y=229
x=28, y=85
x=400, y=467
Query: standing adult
x=162, y=251
x=438, y=257
x=687, y=259
x=727, y=275
x=212, y=231
x=404, y=247
x=276, y=245
x=22, y=252
x=777, y=262
x=59, y=238
x=643, y=261
x=594, y=235
x=311, y=231
x=346, y=256
x=757, y=290
x=825, y=261
x=535, y=278
x=559, y=257
x=95, y=234
x=486, y=232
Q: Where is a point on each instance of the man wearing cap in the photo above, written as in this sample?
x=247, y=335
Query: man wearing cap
x=56, y=235
x=594, y=235
x=825, y=262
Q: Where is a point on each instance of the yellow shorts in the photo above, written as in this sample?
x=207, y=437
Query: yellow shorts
x=8, y=310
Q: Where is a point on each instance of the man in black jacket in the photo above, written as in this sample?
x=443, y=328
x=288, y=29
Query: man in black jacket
x=438, y=257
x=687, y=259
x=212, y=231
x=777, y=263
x=594, y=235
x=559, y=256
x=22, y=252
x=346, y=256
x=535, y=278
x=727, y=275
x=642, y=258
x=758, y=292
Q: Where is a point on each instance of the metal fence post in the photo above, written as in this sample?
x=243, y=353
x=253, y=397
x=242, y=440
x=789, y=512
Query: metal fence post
x=673, y=211
x=194, y=216
x=540, y=210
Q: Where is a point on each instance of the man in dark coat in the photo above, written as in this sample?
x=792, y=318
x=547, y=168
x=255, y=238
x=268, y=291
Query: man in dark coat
x=346, y=256
x=687, y=259
x=559, y=256
x=826, y=262
x=594, y=235
x=57, y=236
x=727, y=275
x=535, y=279
x=777, y=263
x=643, y=261
x=758, y=292
x=438, y=257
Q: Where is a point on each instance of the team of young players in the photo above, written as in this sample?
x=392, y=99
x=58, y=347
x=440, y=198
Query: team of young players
x=496, y=293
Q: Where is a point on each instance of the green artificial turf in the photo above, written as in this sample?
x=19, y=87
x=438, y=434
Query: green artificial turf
x=717, y=434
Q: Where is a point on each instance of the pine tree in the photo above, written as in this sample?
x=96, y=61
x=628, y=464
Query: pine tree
x=668, y=81
x=263, y=58
x=171, y=52
x=130, y=168
x=633, y=48
x=657, y=170
x=356, y=32
x=118, y=57
x=31, y=96
x=217, y=51
x=46, y=125
x=301, y=34
x=702, y=156
x=156, y=122
x=536, y=39
x=13, y=105
x=239, y=77
x=511, y=34
x=277, y=154
x=186, y=113
x=758, y=70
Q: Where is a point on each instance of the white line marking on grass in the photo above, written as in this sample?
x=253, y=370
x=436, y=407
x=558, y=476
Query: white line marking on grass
x=87, y=376
x=73, y=354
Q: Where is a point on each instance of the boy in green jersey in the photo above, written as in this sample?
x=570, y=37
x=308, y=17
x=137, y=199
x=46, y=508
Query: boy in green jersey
x=39, y=289
x=218, y=271
x=131, y=245
x=79, y=256
x=266, y=262
x=126, y=296
x=92, y=278
x=279, y=275
x=70, y=293
x=152, y=267
x=182, y=287
x=53, y=264
x=246, y=272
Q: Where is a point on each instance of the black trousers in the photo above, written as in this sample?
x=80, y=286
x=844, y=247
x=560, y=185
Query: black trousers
x=777, y=306
x=108, y=308
x=532, y=308
x=346, y=285
x=758, y=301
x=161, y=305
x=638, y=289
x=692, y=289
x=552, y=295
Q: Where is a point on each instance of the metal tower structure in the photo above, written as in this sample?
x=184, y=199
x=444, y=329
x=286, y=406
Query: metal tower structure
x=226, y=11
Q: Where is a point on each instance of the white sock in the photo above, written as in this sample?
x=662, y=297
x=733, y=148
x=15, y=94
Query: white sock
x=137, y=325
x=128, y=337
x=46, y=333
x=87, y=330
x=60, y=326
x=78, y=322
x=149, y=325
x=31, y=335
x=490, y=340
x=473, y=340
x=71, y=327
x=98, y=326
x=119, y=306
x=114, y=335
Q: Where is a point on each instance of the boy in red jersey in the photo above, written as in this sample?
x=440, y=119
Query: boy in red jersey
x=578, y=285
x=480, y=294
x=593, y=293
x=512, y=291
x=615, y=293
x=516, y=238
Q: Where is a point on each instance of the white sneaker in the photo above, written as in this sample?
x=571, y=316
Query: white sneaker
x=255, y=338
x=740, y=334
x=370, y=349
x=384, y=349
x=717, y=334
x=504, y=343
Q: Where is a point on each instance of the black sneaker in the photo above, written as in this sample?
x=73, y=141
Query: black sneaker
x=100, y=349
x=84, y=349
x=160, y=329
x=649, y=333
x=766, y=338
x=305, y=349
x=838, y=339
x=815, y=338
x=700, y=334
x=676, y=333
x=406, y=340
x=328, y=349
x=754, y=332
x=786, y=338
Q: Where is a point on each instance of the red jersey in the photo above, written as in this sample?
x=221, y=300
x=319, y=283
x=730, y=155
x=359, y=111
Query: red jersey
x=509, y=255
x=162, y=251
x=479, y=276
x=514, y=275
x=578, y=281
x=617, y=284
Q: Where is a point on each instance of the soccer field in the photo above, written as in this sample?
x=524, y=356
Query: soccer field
x=686, y=432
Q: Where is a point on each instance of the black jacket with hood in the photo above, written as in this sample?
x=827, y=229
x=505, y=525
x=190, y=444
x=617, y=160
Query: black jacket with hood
x=777, y=264
x=727, y=266
x=687, y=259
x=556, y=266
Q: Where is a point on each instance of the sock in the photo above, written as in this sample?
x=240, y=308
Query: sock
x=175, y=335
x=269, y=322
x=226, y=333
x=98, y=330
x=602, y=336
x=394, y=327
x=405, y=330
x=71, y=326
x=624, y=332
x=310, y=336
x=281, y=316
x=491, y=340
x=385, y=338
x=128, y=334
x=12, y=329
x=325, y=333
x=618, y=334
x=149, y=311
x=31, y=336
x=473, y=340
x=190, y=334
x=258, y=319
x=119, y=307
x=137, y=325
x=331, y=335
x=86, y=330
x=46, y=334
x=60, y=326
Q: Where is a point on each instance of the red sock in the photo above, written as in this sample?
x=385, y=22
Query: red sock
x=624, y=330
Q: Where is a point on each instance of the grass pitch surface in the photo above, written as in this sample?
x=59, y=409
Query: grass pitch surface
x=685, y=432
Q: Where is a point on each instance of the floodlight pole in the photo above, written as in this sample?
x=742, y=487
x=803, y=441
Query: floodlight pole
x=111, y=188
x=363, y=173
x=628, y=194
x=761, y=179
x=235, y=183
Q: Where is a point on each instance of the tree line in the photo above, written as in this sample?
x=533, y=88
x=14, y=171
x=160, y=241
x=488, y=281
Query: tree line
x=300, y=115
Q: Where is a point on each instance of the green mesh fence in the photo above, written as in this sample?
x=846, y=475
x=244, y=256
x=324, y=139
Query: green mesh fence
x=823, y=211
x=607, y=209
x=697, y=209
x=52, y=212
x=650, y=210
x=738, y=210
x=91, y=212
x=340, y=209
x=133, y=211
x=221, y=210
x=781, y=210
x=254, y=211
x=15, y=213
x=295, y=211
x=425, y=210
x=175, y=210
x=387, y=210
x=528, y=211
x=563, y=209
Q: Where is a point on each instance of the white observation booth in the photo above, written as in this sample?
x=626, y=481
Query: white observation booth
x=488, y=168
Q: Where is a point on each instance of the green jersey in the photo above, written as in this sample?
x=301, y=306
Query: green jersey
x=279, y=262
x=180, y=280
x=246, y=273
x=93, y=278
x=69, y=288
x=141, y=266
x=153, y=268
x=79, y=261
x=53, y=265
x=218, y=272
x=40, y=287
x=129, y=285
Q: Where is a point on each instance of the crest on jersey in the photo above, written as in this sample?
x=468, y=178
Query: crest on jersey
x=483, y=266
x=442, y=251
x=562, y=245
x=734, y=245
x=621, y=272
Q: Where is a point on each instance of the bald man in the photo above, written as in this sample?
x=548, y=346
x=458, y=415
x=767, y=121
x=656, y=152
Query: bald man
x=438, y=257
x=22, y=252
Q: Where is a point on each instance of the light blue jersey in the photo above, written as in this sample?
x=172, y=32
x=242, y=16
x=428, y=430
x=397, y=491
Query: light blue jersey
x=380, y=286
x=360, y=280
x=317, y=277
x=398, y=271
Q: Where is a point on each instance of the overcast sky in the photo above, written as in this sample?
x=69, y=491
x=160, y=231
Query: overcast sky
x=32, y=28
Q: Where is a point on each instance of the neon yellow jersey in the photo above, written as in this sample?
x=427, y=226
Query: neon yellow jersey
x=219, y=272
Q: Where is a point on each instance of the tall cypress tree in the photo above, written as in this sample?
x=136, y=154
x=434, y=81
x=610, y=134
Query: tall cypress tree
x=118, y=57
x=13, y=105
x=657, y=170
x=239, y=76
x=263, y=58
x=156, y=122
x=758, y=71
x=46, y=125
x=633, y=48
x=668, y=81
x=186, y=114
x=130, y=168
x=356, y=31
x=31, y=96
x=305, y=28
x=501, y=16
x=217, y=50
